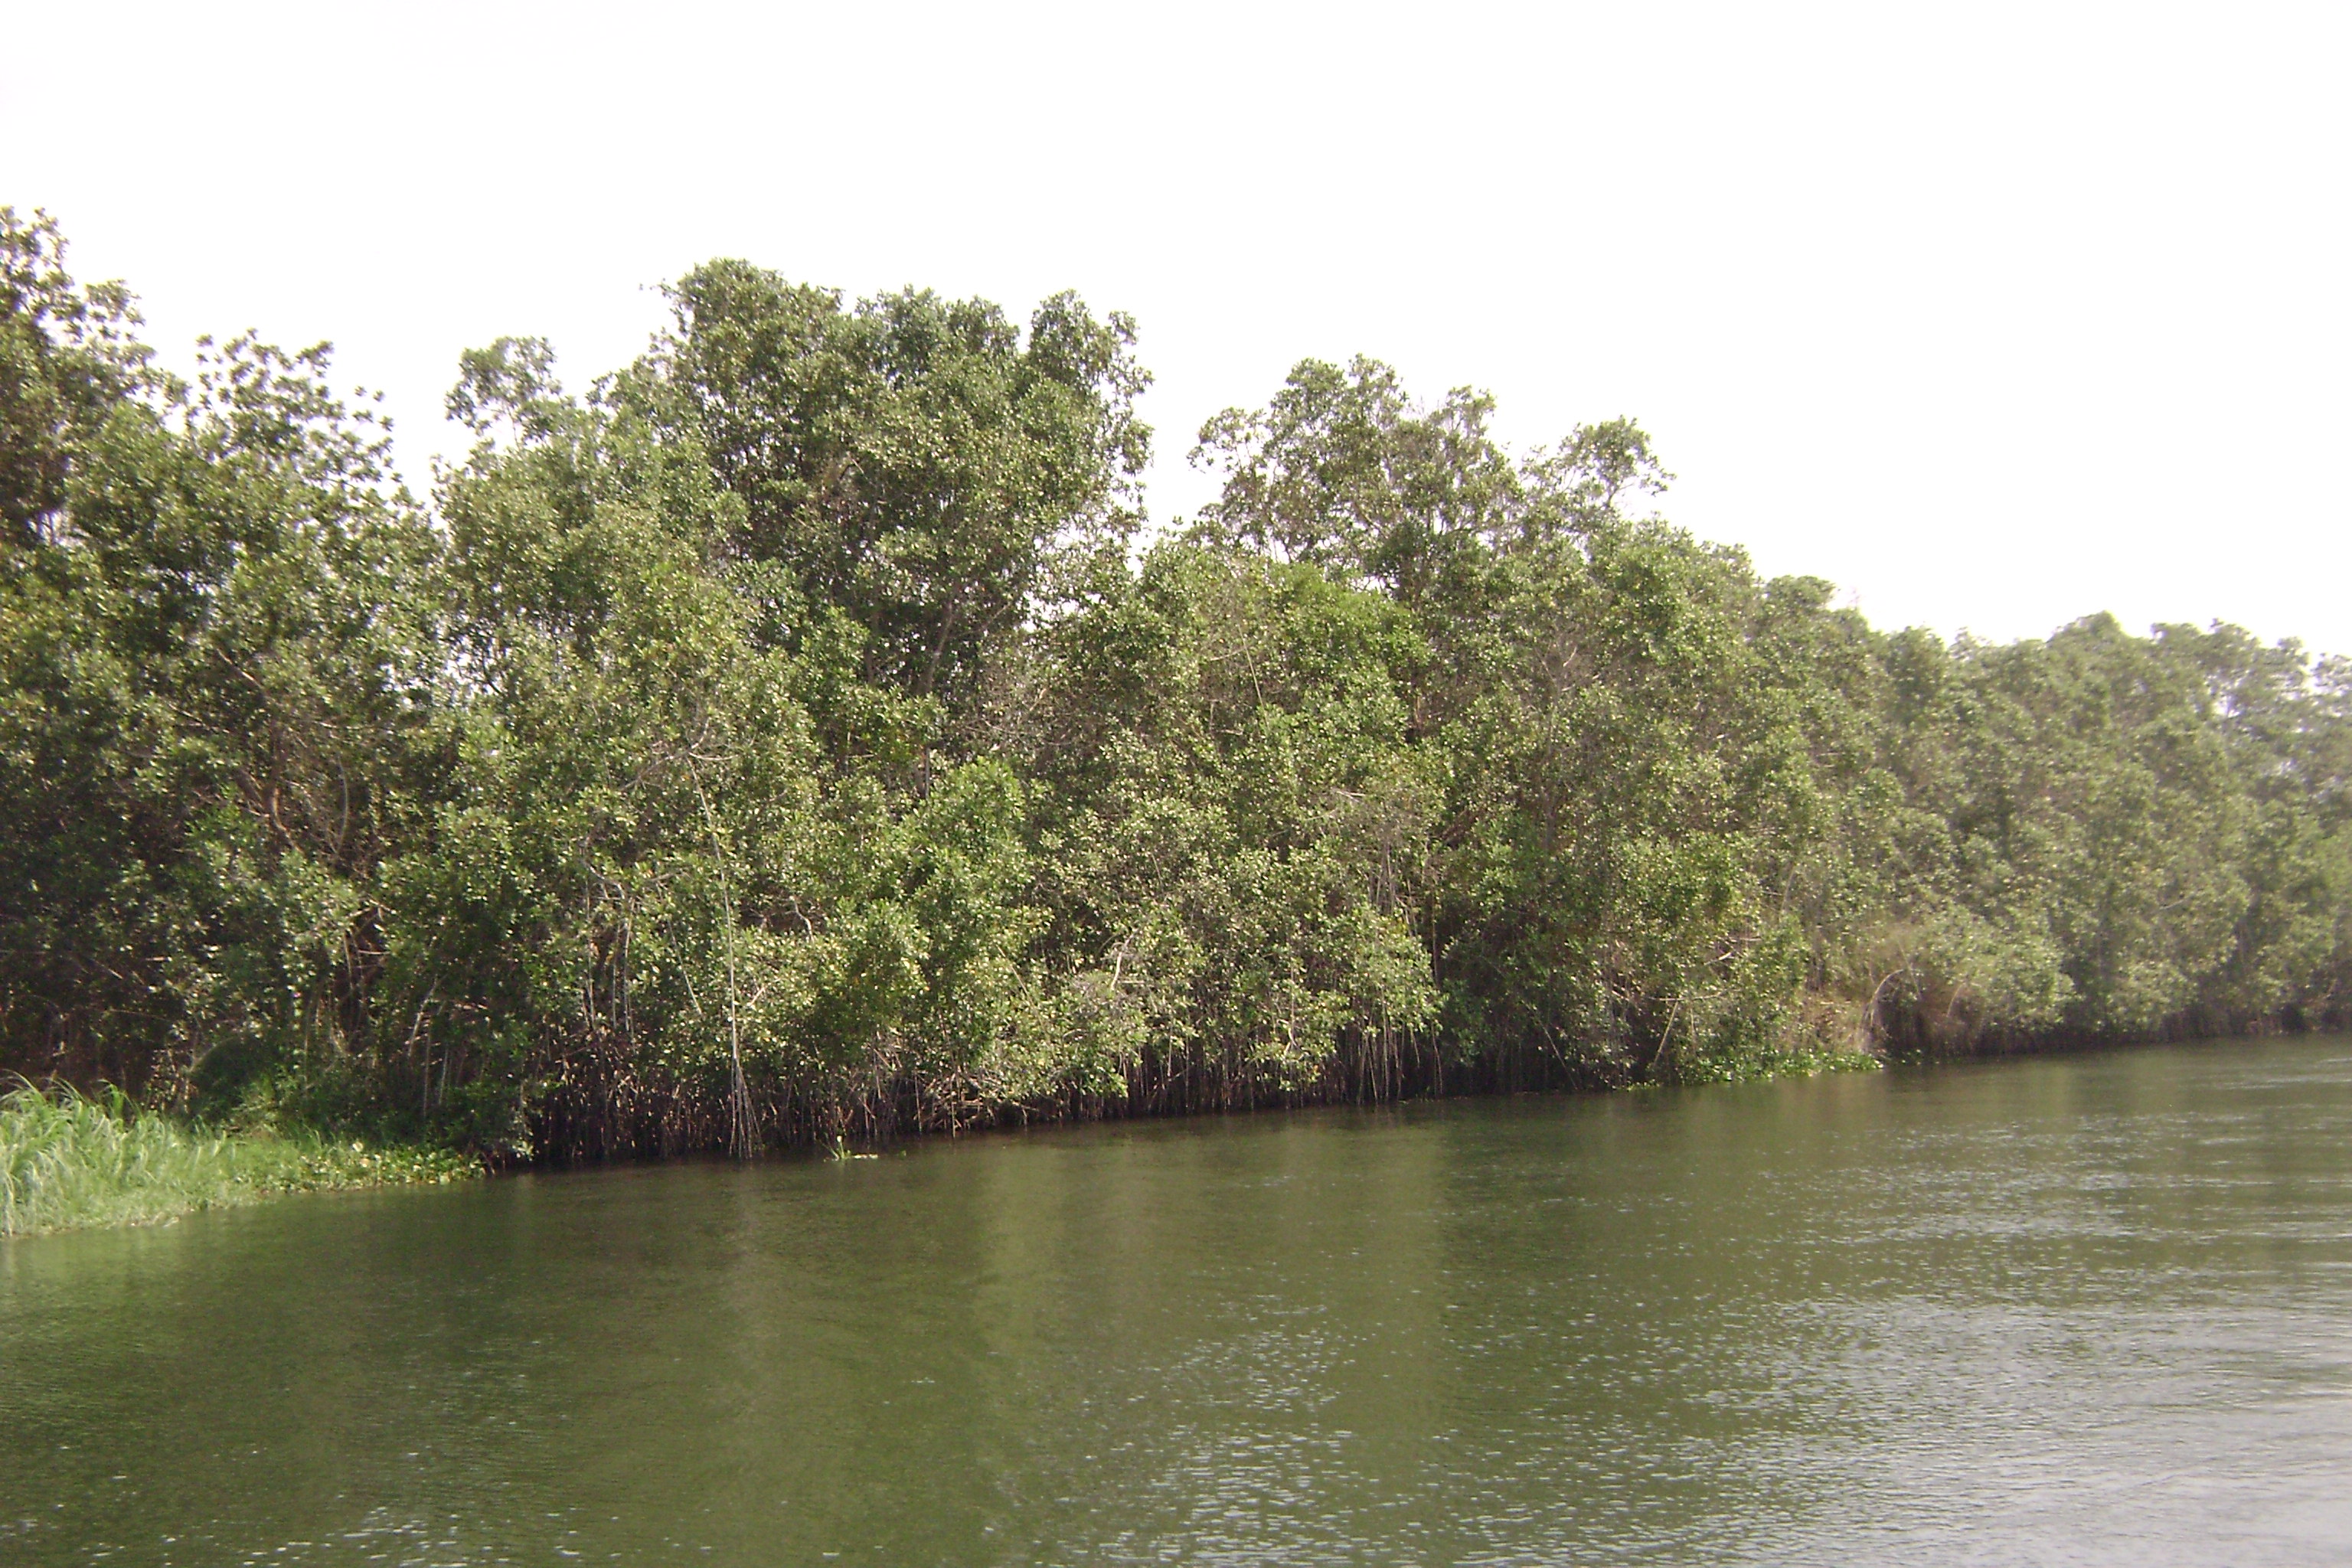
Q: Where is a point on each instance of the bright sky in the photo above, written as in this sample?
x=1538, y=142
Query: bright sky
x=1995, y=315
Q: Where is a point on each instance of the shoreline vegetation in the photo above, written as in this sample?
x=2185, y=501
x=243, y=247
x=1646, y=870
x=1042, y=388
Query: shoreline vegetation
x=803, y=736
x=69, y=1161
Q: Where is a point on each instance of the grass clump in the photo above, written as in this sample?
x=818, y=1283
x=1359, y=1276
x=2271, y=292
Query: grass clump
x=68, y=1160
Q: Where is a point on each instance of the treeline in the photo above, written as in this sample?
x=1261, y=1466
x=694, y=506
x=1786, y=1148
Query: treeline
x=798, y=735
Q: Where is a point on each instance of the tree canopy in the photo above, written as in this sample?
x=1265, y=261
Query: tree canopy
x=798, y=735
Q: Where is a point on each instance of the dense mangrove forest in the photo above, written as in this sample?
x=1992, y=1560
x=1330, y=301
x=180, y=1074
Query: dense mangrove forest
x=803, y=734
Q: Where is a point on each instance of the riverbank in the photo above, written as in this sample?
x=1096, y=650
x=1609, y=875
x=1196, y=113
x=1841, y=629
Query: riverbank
x=70, y=1162
x=67, y=1161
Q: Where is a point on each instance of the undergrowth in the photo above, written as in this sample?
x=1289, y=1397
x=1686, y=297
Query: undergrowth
x=69, y=1160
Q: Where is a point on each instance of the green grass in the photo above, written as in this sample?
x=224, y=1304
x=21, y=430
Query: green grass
x=67, y=1161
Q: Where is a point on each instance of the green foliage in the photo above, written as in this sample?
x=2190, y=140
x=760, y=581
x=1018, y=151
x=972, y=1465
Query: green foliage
x=791, y=732
x=1230, y=819
x=214, y=643
x=67, y=1161
x=905, y=464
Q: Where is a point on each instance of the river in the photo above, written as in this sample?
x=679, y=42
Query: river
x=2080, y=1310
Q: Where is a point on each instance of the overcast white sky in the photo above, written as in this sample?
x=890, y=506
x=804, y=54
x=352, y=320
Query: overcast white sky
x=1994, y=315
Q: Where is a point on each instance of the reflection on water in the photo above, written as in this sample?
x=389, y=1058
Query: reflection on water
x=2084, y=1309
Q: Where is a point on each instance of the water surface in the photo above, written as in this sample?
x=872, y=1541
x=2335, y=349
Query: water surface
x=2069, y=1310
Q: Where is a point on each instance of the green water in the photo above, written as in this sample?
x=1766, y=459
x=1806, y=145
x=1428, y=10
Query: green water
x=2085, y=1309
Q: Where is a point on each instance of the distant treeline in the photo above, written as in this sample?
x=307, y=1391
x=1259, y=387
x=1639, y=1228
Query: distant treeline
x=799, y=736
